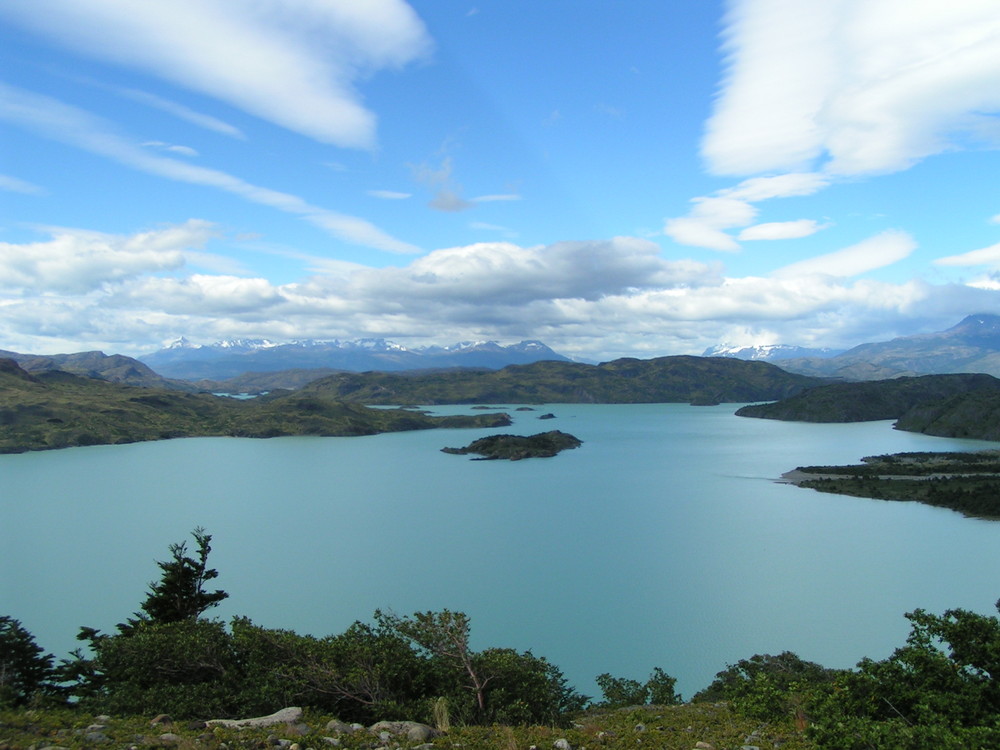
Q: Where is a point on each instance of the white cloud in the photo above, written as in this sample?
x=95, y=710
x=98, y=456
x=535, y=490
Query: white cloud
x=778, y=186
x=596, y=299
x=704, y=226
x=181, y=112
x=171, y=147
x=495, y=198
x=875, y=252
x=14, y=185
x=986, y=256
x=76, y=127
x=389, y=195
x=731, y=208
x=76, y=261
x=856, y=86
x=781, y=230
x=291, y=62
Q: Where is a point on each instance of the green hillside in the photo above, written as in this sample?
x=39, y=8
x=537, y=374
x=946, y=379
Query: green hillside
x=57, y=410
x=680, y=379
x=933, y=396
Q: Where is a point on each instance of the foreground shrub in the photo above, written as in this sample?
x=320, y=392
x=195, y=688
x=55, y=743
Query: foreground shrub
x=938, y=691
x=25, y=669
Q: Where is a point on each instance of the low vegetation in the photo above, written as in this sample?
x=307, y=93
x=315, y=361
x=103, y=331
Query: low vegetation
x=936, y=691
x=966, y=482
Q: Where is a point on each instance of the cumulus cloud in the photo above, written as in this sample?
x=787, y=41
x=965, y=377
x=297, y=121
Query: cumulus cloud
x=76, y=261
x=291, y=62
x=58, y=121
x=879, y=251
x=855, y=86
x=594, y=299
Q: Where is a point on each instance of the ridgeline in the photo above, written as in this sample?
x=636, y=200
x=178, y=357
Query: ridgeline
x=679, y=379
x=56, y=409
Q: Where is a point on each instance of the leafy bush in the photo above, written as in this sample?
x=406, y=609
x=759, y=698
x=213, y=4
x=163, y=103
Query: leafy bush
x=182, y=668
x=937, y=691
x=620, y=692
x=768, y=687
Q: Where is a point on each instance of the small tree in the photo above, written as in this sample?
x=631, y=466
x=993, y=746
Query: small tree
x=180, y=593
x=25, y=670
x=444, y=635
x=620, y=691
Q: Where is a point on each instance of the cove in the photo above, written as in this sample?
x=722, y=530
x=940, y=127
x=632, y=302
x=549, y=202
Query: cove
x=664, y=540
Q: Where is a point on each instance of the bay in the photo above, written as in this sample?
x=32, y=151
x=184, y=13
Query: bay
x=663, y=541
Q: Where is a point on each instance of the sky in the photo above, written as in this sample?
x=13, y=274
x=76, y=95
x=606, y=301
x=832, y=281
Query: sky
x=639, y=178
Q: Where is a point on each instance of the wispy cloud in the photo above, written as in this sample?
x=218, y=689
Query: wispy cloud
x=389, y=195
x=986, y=256
x=853, y=87
x=305, y=54
x=181, y=112
x=14, y=185
x=732, y=208
x=879, y=251
x=171, y=147
x=781, y=230
x=61, y=122
x=495, y=198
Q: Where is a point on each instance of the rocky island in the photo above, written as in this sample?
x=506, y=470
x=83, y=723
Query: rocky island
x=516, y=447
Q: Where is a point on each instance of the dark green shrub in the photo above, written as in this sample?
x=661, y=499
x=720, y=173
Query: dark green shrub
x=521, y=688
x=937, y=691
x=620, y=691
x=186, y=669
x=768, y=687
x=26, y=671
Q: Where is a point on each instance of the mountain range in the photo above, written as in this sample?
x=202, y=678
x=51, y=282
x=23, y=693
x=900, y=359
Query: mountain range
x=971, y=346
x=228, y=359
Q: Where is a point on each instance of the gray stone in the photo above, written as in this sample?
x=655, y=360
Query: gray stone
x=96, y=737
x=338, y=727
x=170, y=738
x=562, y=744
x=412, y=730
x=285, y=716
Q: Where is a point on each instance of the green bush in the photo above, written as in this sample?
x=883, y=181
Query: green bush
x=768, y=687
x=182, y=668
x=620, y=692
x=26, y=671
x=939, y=690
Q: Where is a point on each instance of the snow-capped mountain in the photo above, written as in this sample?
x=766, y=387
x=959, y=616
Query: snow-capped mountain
x=225, y=359
x=767, y=352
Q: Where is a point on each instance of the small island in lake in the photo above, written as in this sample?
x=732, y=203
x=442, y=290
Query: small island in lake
x=516, y=447
x=966, y=482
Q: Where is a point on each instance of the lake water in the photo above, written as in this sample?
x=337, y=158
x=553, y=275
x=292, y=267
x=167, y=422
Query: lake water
x=663, y=541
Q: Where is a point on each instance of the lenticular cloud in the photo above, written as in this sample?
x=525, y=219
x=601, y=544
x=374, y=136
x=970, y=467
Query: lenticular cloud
x=854, y=86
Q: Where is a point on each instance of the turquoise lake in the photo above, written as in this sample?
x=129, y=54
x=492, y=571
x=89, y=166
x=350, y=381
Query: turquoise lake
x=663, y=541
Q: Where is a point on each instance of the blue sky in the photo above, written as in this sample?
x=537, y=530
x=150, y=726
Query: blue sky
x=615, y=179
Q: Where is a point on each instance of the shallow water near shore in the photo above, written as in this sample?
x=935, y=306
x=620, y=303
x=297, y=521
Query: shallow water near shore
x=664, y=540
